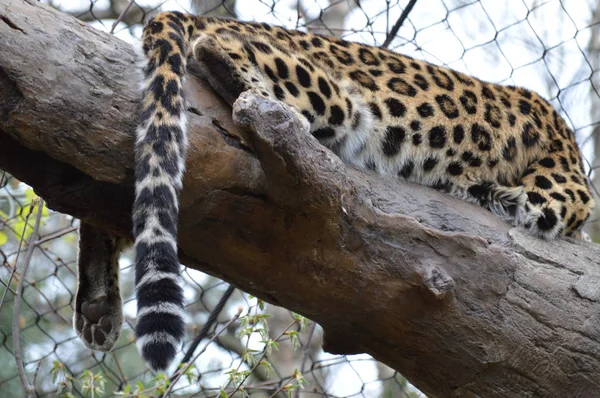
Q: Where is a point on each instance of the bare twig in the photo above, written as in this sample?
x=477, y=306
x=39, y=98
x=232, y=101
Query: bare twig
x=181, y=371
x=28, y=387
x=10, y=278
x=280, y=389
x=305, y=352
x=55, y=235
x=119, y=368
x=14, y=270
x=390, y=36
x=208, y=325
x=131, y=18
x=37, y=243
x=114, y=25
x=37, y=369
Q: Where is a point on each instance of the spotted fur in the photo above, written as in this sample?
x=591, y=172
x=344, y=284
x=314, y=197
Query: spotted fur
x=504, y=148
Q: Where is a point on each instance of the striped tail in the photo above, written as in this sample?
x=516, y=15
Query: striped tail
x=160, y=148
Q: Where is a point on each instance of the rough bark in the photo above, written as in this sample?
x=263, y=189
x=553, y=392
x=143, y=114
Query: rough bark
x=439, y=289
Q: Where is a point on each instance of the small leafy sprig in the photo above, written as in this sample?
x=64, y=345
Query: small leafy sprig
x=91, y=384
x=160, y=385
x=257, y=322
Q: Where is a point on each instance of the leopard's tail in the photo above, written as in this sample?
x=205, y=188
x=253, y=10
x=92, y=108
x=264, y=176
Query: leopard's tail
x=160, y=148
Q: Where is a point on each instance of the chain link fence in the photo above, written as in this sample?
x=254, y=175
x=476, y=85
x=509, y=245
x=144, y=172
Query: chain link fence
x=550, y=46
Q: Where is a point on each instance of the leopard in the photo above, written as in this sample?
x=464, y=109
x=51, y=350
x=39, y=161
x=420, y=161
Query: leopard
x=502, y=147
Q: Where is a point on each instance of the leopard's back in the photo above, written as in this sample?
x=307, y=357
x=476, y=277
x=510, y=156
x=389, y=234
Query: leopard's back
x=428, y=124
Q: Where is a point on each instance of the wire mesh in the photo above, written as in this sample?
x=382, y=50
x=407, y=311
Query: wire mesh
x=549, y=46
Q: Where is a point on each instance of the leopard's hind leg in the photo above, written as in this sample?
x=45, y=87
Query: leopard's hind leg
x=98, y=307
x=229, y=77
x=338, y=115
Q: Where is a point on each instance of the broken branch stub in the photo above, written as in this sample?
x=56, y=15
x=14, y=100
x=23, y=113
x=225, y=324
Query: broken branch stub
x=300, y=170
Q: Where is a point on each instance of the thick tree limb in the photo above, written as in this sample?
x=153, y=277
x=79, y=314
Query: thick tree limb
x=437, y=288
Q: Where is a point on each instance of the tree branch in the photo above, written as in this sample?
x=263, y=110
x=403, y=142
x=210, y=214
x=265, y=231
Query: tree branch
x=434, y=287
x=392, y=33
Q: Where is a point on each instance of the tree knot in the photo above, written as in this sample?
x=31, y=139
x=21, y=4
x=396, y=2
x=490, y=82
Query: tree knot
x=437, y=282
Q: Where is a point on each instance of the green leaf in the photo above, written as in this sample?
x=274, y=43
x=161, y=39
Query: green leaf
x=295, y=339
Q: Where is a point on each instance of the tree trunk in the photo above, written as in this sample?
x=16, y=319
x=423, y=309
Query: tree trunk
x=439, y=289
